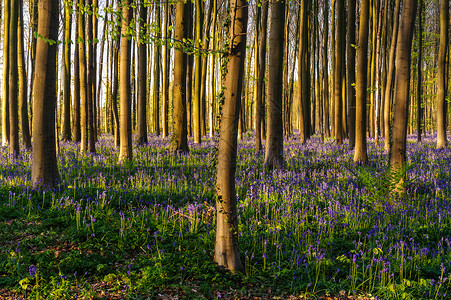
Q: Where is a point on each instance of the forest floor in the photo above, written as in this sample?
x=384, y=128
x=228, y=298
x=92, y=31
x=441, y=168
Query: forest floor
x=321, y=228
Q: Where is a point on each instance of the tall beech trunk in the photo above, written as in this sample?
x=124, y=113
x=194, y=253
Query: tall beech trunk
x=304, y=75
x=360, y=153
x=90, y=90
x=227, y=252
x=326, y=70
x=13, y=79
x=6, y=61
x=166, y=62
x=197, y=73
x=419, y=70
x=156, y=75
x=125, y=148
x=83, y=80
x=23, y=83
x=441, y=75
x=142, y=75
x=402, y=85
x=339, y=72
x=259, y=107
x=180, y=140
x=388, y=98
x=77, y=94
x=66, y=133
x=350, y=52
x=274, y=139
x=114, y=94
x=44, y=171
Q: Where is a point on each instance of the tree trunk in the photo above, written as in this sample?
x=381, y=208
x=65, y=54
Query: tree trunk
x=401, y=105
x=114, y=94
x=91, y=83
x=44, y=164
x=390, y=77
x=419, y=70
x=197, y=73
x=326, y=70
x=83, y=80
x=441, y=75
x=351, y=51
x=125, y=149
x=180, y=140
x=360, y=153
x=13, y=79
x=304, y=76
x=23, y=83
x=166, y=62
x=142, y=75
x=227, y=252
x=259, y=111
x=274, y=139
x=77, y=93
x=66, y=133
x=156, y=76
x=6, y=61
x=339, y=72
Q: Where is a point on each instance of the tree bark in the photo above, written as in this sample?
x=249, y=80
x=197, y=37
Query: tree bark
x=419, y=70
x=83, y=80
x=125, y=149
x=156, y=75
x=5, y=102
x=66, y=132
x=401, y=104
x=44, y=164
x=227, y=252
x=351, y=51
x=142, y=75
x=23, y=83
x=390, y=77
x=441, y=75
x=180, y=140
x=360, y=153
x=166, y=62
x=197, y=73
x=274, y=139
x=339, y=73
x=13, y=80
x=77, y=93
x=91, y=84
x=304, y=76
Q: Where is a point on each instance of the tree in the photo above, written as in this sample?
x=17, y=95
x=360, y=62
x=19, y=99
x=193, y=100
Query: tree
x=142, y=74
x=180, y=140
x=441, y=75
x=350, y=51
x=156, y=75
x=5, y=102
x=23, y=82
x=304, y=75
x=83, y=79
x=166, y=62
x=259, y=107
x=227, y=252
x=274, y=139
x=419, y=70
x=360, y=154
x=91, y=84
x=402, y=84
x=44, y=164
x=77, y=94
x=13, y=79
x=66, y=132
x=339, y=72
x=198, y=73
x=390, y=77
x=125, y=148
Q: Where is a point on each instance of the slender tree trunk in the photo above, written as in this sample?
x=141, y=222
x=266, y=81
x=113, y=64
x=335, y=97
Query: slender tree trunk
x=304, y=76
x=23, y=83
x=114, y=94
x=197, y=74
x=350, y=51
x=90, y=84
x=227, y=252
x=377, y=83
x=44, y=164
x=259, y=111
x=402, y=84
x=441, y=75
x=339, y=73
x=33, y=29
x=83, y=80
x=274, y=137
x=125, y=149
x=66, y=132
x=326, y=69
x=180, y=140
x=77, y=93
x=6, y=61
x=166, y=62
x=156, y=76
x=360, y=153
x=13, y=79
x=390, y=77
x=142, y=75
x=419, y=70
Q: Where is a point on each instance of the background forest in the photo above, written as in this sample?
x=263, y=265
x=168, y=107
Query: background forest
x=211, y=149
